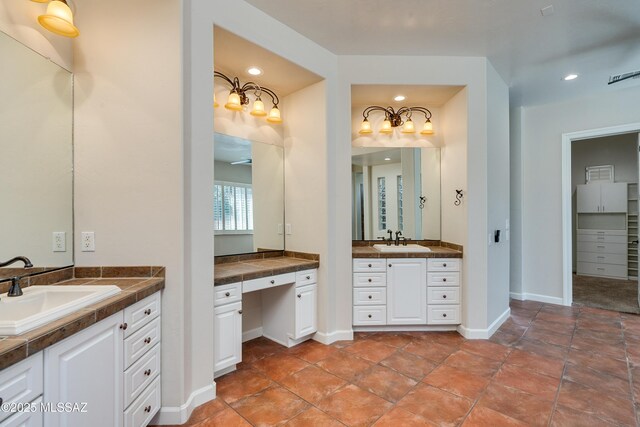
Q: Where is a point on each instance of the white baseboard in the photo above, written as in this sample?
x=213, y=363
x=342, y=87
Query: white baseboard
x=331, y=337
x=536, y=297
x=405, y=328
x=484, y=334
x=252, y=334
x=176, y=415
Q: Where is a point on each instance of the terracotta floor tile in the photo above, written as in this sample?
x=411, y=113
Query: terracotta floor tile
x=312, y=351
x=554, y=327
x=313, y=417
x=511, y=327
x=271, y=407
x=385, y=383
x=224, y=418
x=486, y=349
x=595, y=402
x=615, y=349
x=206, y=410
x=446, y=338
x=557, y=318
x=409, y=364
x=523, y=313
x=529, y=381
x=603, y=336
x=373, y=351
x=485, y=417
x=599, y=363
x=560, y=310
x=312, y=383
x=345, y=365
x=434, y=352
x=635, y=376
x=566, y=417
x=476, y=365
x=400, y=418
x=545, y=336
x=354, y=406
x=457, y=381
x=279, y=366
x=517, y=404
x=342, y=344
x=586, y=311
x=602, y=382
x=397, y=340
x=240, y=384
x=520, y=320
x=435, y=405
x=529, y=305
x=258, y=348
x=600, y=326
x=543, y=349
x=545, y=365
x=505, y=338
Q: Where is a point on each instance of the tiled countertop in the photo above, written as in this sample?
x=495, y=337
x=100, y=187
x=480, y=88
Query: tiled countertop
x=16, y=348
x=436, y=252
x=231, y=272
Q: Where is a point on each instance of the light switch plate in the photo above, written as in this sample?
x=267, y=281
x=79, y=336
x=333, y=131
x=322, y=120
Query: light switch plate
x=88, y=242
x=59, y=241
x=288, y=228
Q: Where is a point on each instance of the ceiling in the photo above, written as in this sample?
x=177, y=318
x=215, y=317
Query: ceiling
x=233, y=55
x=375, y=157
x=230, y=148
x=532, y=52
x=416, y=95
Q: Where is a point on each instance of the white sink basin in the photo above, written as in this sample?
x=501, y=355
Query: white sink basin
x=40, y=305
x=412, y=247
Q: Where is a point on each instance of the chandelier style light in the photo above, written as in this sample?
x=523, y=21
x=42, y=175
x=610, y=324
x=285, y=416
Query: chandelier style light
x=238, y=98
x=393, y=119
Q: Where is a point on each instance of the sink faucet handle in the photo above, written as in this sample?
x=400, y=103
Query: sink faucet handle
x=15, y=290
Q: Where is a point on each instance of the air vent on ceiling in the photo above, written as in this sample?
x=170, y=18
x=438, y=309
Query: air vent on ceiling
x=620, y=77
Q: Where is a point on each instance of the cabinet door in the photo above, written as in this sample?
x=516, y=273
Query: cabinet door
x=306, y=312
x=25, y=419
x=406, y=291
x=228, y=335
x=86, y=368
x=613, y=197
x=588, y=198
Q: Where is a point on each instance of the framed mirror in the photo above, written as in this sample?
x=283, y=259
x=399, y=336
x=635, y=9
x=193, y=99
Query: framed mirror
x=36, y=159
x=248, y=195
x=395, y=189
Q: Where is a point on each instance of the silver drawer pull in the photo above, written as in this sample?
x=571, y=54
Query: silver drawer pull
x=147, y=372
x=147, y=408
x=226, y=294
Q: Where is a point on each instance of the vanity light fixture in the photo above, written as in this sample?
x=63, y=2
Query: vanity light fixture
x=58, y=19
x=393, y=119
x=238, y=98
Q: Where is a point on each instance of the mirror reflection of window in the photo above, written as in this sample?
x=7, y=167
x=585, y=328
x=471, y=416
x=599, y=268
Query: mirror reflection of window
x=232, y=207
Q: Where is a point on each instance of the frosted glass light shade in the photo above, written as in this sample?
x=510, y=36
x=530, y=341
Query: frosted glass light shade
x=40, y=1
x=274, y=115
x=386, y=127
x=233, y=102
x=215, y=103
x=59, y=19
x=427, y=128
x=258, y=108
x=365, y=127
x=408, y=127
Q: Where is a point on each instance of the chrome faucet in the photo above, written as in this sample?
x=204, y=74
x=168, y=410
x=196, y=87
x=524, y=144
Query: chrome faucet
x=398, y=234
x=24, y=259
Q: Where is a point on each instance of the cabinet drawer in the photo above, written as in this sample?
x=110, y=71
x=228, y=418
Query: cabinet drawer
x=369, y=296
x=25, y=419
x=141, y=313
x=609, y=248
x=268, y=282
x=443, y=314
x=606, y=270
x=306, y=277
x=361, y=265
x=141, y=374
x=227, y=294
x=443, y=264
x=141, y=342
x=620, y=259
x=144, y=407
x=369, y=279
x=443, y=279
x=442, y=295
x=374, y=315
x=22, y=382
x=585, y=231
x=601, y=238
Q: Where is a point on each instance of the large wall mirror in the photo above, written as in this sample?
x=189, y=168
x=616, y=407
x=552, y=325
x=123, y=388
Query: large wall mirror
x=395, y=189
x=36, y=158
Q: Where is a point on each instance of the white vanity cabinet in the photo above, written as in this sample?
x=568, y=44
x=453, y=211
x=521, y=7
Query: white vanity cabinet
x=19, y=384
x=406, y=291
x=227, y=326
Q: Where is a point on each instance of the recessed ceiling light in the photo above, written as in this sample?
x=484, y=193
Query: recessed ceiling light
x=254, y=71
x=399, y=98
x=570, y=77
x=387, y=158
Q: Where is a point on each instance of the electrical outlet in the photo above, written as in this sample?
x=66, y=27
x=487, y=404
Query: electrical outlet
x=288, y=228
x=88, y=242
x=59, y=241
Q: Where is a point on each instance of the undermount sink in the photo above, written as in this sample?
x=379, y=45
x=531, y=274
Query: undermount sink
x=40, y=305
x=412, y=247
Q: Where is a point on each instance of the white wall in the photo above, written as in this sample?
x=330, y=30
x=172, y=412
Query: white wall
x=515, y=159
x=542, y=129
x=268, y=195
x=19, y=19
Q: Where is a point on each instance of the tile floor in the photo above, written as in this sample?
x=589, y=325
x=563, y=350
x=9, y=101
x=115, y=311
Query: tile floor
x=547, y=365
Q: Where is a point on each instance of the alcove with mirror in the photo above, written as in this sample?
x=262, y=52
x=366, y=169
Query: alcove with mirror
x=36, y=160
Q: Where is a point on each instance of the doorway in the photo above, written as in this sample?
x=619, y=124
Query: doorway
x=600, y=218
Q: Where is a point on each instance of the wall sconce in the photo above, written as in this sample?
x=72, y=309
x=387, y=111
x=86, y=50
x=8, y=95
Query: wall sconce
x=393, y=119
x=58, y=19
x=238, y=98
